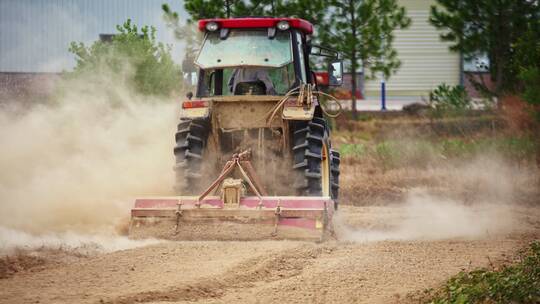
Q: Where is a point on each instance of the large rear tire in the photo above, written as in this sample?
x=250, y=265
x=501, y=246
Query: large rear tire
x=191, y=138
x=311, y=158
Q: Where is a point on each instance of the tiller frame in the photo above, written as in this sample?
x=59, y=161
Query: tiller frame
x=297, y=217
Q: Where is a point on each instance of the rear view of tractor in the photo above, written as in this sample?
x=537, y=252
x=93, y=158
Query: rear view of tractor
x=254, y=159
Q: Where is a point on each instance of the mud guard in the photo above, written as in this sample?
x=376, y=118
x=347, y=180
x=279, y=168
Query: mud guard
x=195, y=113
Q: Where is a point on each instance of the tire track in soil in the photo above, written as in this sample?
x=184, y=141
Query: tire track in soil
x=267, y=268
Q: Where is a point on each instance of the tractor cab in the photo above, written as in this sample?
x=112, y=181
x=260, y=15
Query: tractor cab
x=256, y=56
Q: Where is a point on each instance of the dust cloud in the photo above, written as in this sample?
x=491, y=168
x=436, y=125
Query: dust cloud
x=74, y=164
x=16, y=240
x=427, y=217
x=469, y=201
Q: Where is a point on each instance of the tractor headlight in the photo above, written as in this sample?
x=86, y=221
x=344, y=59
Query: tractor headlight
x=283, y=25
x=212, y=26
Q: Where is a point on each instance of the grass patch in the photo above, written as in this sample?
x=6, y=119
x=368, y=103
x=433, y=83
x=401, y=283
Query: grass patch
x=516, y=283
x=420, y=153
x=352, y=150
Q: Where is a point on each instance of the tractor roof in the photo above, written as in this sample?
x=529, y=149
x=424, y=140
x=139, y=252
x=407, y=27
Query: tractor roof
x=258, y=22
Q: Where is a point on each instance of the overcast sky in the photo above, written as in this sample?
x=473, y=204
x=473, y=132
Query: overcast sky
x=35, y=34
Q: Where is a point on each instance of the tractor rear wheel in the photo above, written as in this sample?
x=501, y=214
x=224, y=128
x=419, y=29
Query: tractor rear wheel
x=311, y=158
x=190, y=138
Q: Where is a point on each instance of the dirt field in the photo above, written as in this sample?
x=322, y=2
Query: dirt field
x=412, y=227
x=374, y=262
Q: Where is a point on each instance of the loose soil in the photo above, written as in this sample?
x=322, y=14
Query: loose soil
x=341, y=271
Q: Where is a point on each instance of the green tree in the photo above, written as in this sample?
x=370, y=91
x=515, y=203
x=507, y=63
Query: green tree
x=201, y=9
x=492, y=27
x=363, y=32
x=147, y=64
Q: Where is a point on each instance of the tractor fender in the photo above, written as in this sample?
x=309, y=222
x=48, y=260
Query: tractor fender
x=195, y=113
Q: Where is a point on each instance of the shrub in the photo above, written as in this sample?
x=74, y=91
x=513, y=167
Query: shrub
x=517, y=283
x=449, y=101
x=418, y=153
x=517, y=148
x=132, y=56
x=516, y=113
x=352, y=150
x=455, y=148
x=531, y=93
x=387, y=155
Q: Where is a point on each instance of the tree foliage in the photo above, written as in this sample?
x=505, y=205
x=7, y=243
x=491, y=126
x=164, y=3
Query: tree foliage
x=146, y=64
x=363, y=32
x=492, y=27
x=527, y=64
x=201, y=9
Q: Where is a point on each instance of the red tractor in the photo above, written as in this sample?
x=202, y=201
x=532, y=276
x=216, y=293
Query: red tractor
x=254, y=134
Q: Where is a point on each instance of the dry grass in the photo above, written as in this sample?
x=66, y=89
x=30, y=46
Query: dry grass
x=517, y=114
x=485, y=179
x=381, y=167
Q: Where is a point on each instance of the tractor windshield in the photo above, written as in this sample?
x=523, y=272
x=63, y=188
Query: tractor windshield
x=247, y=81
x=244, y=48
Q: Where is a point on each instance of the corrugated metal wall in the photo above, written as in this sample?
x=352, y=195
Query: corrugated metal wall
x=426, y=60
x=35, y=34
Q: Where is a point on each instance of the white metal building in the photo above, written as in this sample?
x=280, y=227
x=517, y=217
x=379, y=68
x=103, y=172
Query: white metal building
x=426, y=61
